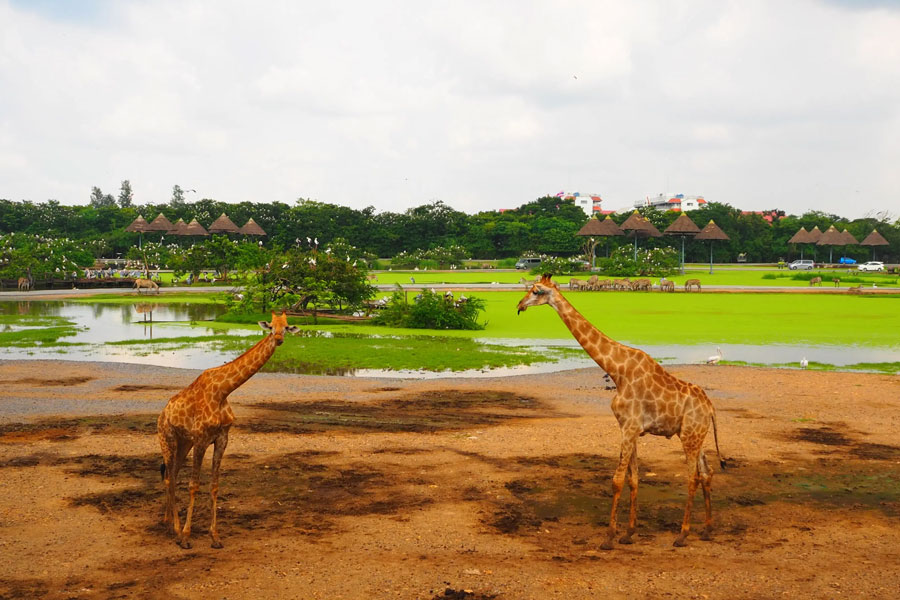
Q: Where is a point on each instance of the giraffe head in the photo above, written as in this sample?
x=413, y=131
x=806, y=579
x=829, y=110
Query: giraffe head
x=540, y=293
x=278, y=326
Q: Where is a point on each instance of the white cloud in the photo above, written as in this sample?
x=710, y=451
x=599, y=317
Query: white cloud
x=482, y=105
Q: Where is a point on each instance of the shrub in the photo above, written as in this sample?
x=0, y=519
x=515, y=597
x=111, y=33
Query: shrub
x=650, y=261
x=431, y=311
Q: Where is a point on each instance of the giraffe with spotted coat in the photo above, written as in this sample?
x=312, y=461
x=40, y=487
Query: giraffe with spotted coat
x=199, y=416
x=649, y=399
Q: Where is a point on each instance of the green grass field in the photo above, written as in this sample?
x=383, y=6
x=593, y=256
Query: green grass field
x=707, y=318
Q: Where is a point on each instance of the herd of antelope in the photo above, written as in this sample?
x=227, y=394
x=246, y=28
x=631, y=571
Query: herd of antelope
x=595, y=284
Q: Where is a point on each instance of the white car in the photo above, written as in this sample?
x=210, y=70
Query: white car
x=872, y=265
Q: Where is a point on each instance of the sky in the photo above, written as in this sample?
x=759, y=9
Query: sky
x=482, y=105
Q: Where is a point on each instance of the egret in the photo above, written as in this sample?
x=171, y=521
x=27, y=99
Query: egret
x=804, y=363
x=715, y=358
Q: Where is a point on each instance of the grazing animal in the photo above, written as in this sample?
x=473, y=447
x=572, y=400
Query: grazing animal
x=593, y=283
x=576, y=284
x=715, y=358
x=642, y=284
x=24, y=284
x=836, y=281
x=815, y=281
x=649, y=399
x=667, y=286
x=199, y=415
x=142, y=283
x=692, y=283
x=855, y=289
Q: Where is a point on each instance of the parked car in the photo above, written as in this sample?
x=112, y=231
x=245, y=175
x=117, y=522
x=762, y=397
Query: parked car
x=528, y=263
x=801, y=265
x=847, y=261
x=872, y=265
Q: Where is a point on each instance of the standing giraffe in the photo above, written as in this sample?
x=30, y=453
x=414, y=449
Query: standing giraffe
x=199, y=415
x=649, y=400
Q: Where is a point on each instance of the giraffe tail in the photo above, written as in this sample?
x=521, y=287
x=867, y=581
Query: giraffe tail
x=716, y=438
x=162, y=471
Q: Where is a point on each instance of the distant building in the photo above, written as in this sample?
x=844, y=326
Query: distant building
x=589, y=203
x=672, y=202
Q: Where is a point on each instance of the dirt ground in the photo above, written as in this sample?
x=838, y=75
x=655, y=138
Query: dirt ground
x=457, y=488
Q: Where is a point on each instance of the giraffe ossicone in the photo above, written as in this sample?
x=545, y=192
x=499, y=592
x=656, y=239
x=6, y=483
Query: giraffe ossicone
x=198, y=416
x=648, y=399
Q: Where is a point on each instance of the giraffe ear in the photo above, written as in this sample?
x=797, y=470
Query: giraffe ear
x=292, y=329
x=265, y=325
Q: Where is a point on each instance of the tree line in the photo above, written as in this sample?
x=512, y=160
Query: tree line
x=545, y=226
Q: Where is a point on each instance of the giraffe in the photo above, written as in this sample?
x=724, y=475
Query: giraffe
x=649, y=400
x=691, y=283
x=200, y=415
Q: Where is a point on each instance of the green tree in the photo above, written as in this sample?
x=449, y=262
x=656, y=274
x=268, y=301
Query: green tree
x=177, y=201
x=101, y=200
x=126, y=196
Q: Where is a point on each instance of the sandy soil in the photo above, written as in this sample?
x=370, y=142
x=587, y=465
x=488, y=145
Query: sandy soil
x=488, y=488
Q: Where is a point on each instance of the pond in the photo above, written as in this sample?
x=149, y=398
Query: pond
x=96, y=325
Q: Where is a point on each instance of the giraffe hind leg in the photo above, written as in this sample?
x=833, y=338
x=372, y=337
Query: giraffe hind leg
x=692, y=452
x=706, y=483
x=218, y=452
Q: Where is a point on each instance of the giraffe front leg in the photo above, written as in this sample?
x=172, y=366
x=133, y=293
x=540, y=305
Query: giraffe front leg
x=617, y=483
x=693, y=477
x=218, y=453
x=171, y=481
x=199, y=452
x=633, y=488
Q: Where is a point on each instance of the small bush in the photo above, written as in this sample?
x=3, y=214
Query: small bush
x=431, y=311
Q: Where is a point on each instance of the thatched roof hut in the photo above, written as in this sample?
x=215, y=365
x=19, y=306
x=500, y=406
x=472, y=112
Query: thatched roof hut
x=814, y=234
x=597, y=228
x=160, y=223
x=223, y=225
x=801, y=237
x=178, y=228
x=639, y=226
x=875, y=239
x=139, y=225
x=252, y=228
x=848, y=238
x=682, y=226
x=712, y=232
x=195, y=228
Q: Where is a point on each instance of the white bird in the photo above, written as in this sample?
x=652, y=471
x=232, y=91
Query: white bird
x=804, y=363
x=715, y=358
x=308, y=240
x=316, y=241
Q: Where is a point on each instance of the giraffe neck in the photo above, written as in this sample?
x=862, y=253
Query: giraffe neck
x=605, y=351
x=247, y=364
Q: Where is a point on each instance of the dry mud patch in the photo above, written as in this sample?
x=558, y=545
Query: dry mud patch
x=457, y=489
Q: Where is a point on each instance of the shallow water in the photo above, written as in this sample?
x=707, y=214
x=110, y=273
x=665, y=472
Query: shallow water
x=102, y=323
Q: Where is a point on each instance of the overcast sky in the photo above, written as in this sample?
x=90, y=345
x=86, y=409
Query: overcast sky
x=483, y=105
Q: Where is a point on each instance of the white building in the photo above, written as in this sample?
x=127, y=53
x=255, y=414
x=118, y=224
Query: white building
x=589, y=203
x=672, y=202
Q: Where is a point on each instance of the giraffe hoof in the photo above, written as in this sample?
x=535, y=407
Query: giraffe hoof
x=706, y=536
x=679, y=542
x=216, y=544
x=626, y=539
x=185, y=544
x=607, y=545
